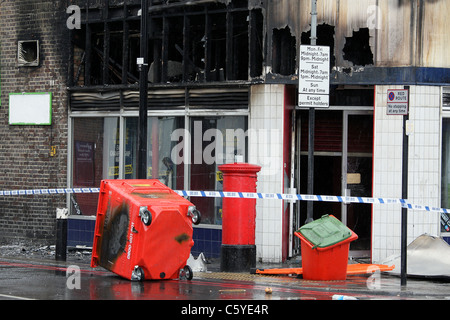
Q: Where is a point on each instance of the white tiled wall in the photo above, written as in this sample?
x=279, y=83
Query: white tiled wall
x=266, y=150
x=423, y=165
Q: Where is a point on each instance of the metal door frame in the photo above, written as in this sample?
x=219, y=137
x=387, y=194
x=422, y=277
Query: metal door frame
x=344, y=168
x=346, y=111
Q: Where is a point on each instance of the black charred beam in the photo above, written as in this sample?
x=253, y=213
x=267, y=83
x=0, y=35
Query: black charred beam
x=88, y=58
x=114, y=66
x=165, y=49
x=229, y=47
x=125, y=51
x=207, y=47
x=186, y=48
x=106, y=44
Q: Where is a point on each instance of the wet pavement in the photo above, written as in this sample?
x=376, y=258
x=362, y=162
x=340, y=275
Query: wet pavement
x=40, y=277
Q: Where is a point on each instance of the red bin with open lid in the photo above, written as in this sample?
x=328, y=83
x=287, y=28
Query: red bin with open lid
x=143, y=230
x=325, y=245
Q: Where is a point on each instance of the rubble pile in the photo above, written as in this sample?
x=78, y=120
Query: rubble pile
x=42, y=251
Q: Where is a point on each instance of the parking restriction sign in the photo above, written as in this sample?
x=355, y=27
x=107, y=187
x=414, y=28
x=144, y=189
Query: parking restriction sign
x=314, y=76
x=397, y=102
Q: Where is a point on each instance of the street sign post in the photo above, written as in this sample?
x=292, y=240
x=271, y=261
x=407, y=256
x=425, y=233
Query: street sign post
x=398, y=104
x=314, y=76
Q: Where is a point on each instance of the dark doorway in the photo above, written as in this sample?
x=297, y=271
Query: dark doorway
x=342, y=166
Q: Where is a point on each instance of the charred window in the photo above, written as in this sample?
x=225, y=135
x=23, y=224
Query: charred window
x=216, y=48
x=195, y=48
x=28, y=53
x=199, y=46
x=237, y=40
x=205, y=42
x=105, y=53
x=283, y=52
x=256, y=43
x=159, y=2
x=97, y=55
x=357, y=48
x=325, y=37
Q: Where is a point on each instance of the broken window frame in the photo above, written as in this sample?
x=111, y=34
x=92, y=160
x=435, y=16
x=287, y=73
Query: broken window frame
x=222, y=58
x=357, y=48
x=284, y=52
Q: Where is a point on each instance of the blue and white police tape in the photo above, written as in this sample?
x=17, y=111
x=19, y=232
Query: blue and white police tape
x=48, y=191
x=246, y=195
x=308, y=197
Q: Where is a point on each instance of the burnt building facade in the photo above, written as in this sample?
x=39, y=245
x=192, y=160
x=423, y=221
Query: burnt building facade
x=223, y=87
x=33, y=61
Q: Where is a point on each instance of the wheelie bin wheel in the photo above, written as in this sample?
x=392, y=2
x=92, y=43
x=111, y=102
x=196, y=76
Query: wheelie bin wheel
x=186, y=273
x=195, y=215
x=146, y=216
x=137, y=274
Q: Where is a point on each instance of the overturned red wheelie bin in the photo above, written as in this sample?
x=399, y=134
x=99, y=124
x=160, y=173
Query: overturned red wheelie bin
x=143, y=230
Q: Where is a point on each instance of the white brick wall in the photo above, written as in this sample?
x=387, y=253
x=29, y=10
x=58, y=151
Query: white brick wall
x=424, y=168
x=266, y=150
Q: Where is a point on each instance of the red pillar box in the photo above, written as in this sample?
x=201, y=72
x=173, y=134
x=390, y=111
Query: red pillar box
x=238, y=250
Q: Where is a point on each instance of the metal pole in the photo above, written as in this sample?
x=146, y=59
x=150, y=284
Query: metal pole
x=313, y=22
x=61, y=240
x=143, y=98
x=404, y=219
x=61, y=235
x=312, y=119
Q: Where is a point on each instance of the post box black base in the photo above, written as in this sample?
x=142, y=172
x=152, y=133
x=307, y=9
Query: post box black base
x=61, y=240
x=237, y=258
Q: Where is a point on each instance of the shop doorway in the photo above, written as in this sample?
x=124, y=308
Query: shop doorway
x=343, y=149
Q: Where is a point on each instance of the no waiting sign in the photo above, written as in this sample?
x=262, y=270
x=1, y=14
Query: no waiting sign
x=397, y=102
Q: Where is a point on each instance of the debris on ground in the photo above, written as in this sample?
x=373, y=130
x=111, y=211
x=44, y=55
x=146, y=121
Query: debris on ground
x=197, y=264
x=25, y=250
x=342, y=297
x=22, y=249
x=427, y=256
